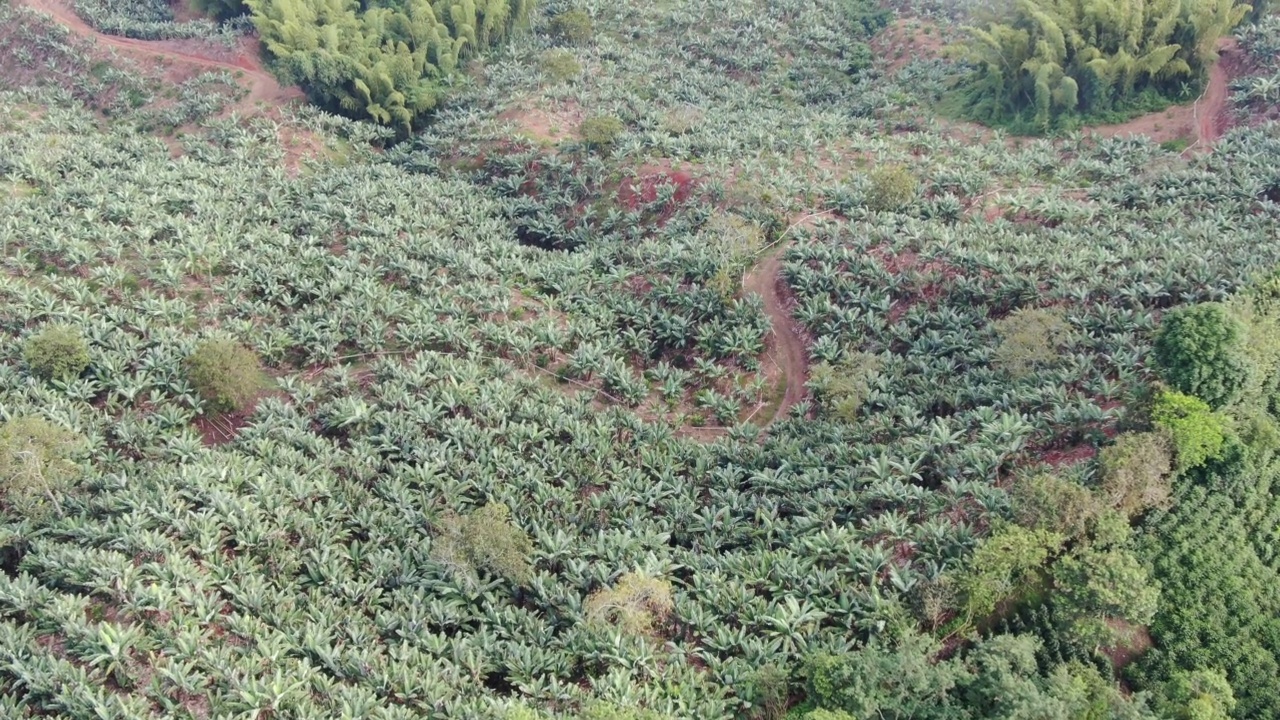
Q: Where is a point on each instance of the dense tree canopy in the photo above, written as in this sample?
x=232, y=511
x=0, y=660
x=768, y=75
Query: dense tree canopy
x=1046, y=59
x=387, y=64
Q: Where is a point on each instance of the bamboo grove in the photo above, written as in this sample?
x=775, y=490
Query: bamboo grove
x=1047, y=60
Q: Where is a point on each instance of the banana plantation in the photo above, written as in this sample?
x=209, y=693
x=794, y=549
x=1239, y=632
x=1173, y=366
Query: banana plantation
x=479, y=407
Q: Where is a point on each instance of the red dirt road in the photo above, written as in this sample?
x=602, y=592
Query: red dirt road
x=785, y=346
x=243, y=61
x=1200, y=122
x=1209, y=107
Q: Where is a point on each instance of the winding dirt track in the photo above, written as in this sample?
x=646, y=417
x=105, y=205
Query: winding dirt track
x=1200, y=122
x=244, y=61
x=786, y=347
x=1210, y=106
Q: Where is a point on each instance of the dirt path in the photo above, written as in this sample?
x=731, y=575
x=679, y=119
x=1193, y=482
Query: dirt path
x=1210, y=105
x=243, y=61
x=785, y=347
x=1200, y=122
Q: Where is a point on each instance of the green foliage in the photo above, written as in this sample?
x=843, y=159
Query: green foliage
x=600, y=131
x=1198, y=695
x=39, y=463
x=1198, y=434
x=388, y=64
x=57, y=352
x=898, y=680
x=613, y=711
x=225, y=373
x=1056, y=504
x=154, y=20
x=1002, y=565
x=1095, y=586
x=399, y=299
x=892, y=188
x=1135, y=473
x=1047, y=60
x=636, y=604
x=769, y=690
x=221, y=9
x=484, y=540
x=572, y=27
x=998, y=679
x=844, y=386
x=1200, y=352
x=560, y=65
x=1029, y=338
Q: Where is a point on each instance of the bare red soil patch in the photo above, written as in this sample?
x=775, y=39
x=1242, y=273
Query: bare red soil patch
x=242, y=61
x=1201, y=122
x=644, y=187
x=1134, y=642
x=907, y=39
x=1069, y=456
x=543, y=125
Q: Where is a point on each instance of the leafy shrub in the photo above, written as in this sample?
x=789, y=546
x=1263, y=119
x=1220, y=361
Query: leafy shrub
x=1198, y=695
x=893, y=187
x=483, y=540
x=1095, y=585
x=1056, y=504
x=613, y=711
x=37, y=464
x=225, y=373
x=1198, y=434
x=1200, y=352
x=1135, y=472
x=635, y=604
x=560, y=65
x=844, y=386
x=600, y=131
x=573, y=27
x=57, y=352
x=1029, y=338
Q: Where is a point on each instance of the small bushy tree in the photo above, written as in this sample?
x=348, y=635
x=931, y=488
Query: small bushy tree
x=1199, y=351
x=38, y=464
x=892, y=188
x=1198, y=434
x=1198, y=695
x=1056, y=504
x=1135, y=472
x=1095, y=586
x=635, y=604
x=226, y=374
x=57, y=352
x=1002, y=564
x=1029, y=338
x=600, y=131
x=573, y=27
x=484, y=540
x=560, y=65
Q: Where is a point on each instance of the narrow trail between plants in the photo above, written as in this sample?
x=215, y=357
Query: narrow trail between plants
x=1200, y=123
x=1210, y=105
x=262, y=85
x=786, y=348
